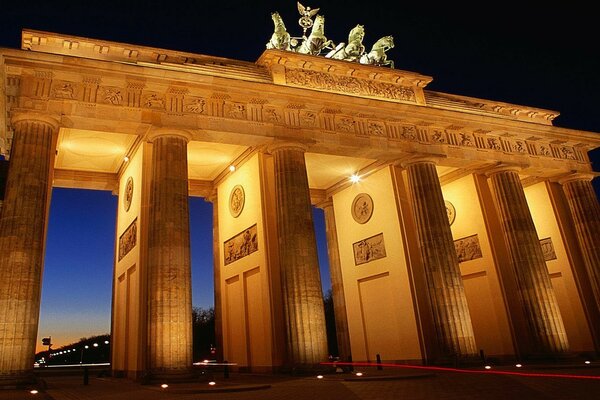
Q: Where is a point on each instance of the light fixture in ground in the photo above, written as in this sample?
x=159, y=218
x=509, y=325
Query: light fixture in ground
x=518, y=365
x=359, y=374
x=588, y=362
x=33, y=391
x=319, y=376
x=212, y=383
x=164, y=386
x=487, y=367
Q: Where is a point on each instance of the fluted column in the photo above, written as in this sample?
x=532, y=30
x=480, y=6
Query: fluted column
x=533, y=281
x=585, y=211
x=217, y=277
x=337, y=284
x=169, y=273
x=22, y=238
x=452, y=320
x=300, y=278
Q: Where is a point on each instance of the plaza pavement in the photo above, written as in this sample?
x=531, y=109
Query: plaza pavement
x=391, y=383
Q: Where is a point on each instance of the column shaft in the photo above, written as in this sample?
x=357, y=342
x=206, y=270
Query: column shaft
x=446, y=292
x=533, y=281
x=169, y=273
x=22, y=236
x=585, y=211
x=217, y=279
x=300, y=278
x=337, y=284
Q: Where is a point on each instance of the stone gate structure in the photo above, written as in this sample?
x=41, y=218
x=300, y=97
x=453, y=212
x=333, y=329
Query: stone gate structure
x=468, y=224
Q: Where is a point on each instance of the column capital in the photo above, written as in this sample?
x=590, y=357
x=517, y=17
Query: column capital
x=577, y=176
x=156, y=133
x=21, y=118
x=327, y=203
x=502, y=168
x=279, y=146
x=420, y=159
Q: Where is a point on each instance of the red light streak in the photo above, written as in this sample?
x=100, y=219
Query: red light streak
x=445, y=369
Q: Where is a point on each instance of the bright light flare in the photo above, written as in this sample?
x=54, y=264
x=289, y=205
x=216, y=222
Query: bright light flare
x=232, y=168
x=126, y=159
x=354, y=178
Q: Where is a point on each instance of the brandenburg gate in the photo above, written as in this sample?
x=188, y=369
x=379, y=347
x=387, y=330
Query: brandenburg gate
x=454, y=224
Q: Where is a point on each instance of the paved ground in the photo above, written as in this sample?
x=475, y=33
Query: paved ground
x=387, y=384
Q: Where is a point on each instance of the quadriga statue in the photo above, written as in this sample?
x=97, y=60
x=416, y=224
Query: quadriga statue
x=280, y=39
x=316, y=41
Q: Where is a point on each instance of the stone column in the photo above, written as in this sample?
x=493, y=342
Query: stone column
x=169, y=273
x=22, y=238
x=300, y=278
x=217, y=277
x=337, y=285
x=585, y=211
x=533, y=281
x=451, y=316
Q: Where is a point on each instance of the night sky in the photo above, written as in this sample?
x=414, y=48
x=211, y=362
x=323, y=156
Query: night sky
x=510, y=51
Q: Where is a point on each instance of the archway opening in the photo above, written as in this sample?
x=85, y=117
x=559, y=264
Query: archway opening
x=77, y=278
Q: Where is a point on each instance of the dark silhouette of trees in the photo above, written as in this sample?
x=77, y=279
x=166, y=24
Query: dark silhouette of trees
x=332, y=345
x=203, y=333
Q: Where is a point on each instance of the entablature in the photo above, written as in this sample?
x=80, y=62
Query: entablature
x=102, y=95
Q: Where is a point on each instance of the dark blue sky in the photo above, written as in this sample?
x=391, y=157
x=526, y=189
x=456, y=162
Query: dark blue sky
x=517, y=52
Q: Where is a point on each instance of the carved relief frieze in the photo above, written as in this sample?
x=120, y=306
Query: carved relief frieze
x=437, y=136
x=370, y=249
x=194, y=105
x=153, y=100
x=308, y=119
x=344, y=124
x=468, y=248
x=255, y=109
x=519, y=146
x=235, y=110
x=272, y=114
x=64, y=90
x=241, y=245
x=376, y=128
x=110, y=95
x=548, y=249
x=348, y=85
x=128, y=239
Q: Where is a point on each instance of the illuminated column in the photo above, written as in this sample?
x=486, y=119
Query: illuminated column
x=300, y=278
x=169, y=274
x=528, y=265
x=217, y=277
x=22, y=237
x=446, y=291
x=337, y=285
x=585, y=211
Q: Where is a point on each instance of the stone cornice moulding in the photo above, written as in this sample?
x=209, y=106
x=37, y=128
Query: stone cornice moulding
x=503, y=167
x=576, y=176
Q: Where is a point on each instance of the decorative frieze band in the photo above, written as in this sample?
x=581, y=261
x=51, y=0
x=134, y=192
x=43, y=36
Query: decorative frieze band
x=180, y=101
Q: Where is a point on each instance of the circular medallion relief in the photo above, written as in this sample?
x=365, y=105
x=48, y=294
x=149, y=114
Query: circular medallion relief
x=450, y=211
x=128, y=193
x=362, y=208
x=236, y=200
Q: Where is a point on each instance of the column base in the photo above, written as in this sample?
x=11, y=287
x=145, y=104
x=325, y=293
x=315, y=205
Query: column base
x=563, y=357
x=18, y=380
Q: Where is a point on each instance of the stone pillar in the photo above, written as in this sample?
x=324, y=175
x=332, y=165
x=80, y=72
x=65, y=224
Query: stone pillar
x=450, y=311
x=217, y=277
x=533, y=281
x=300, y=278
x=585, y=211
x=169, y=272
x=23, y=225
x=337, y=285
